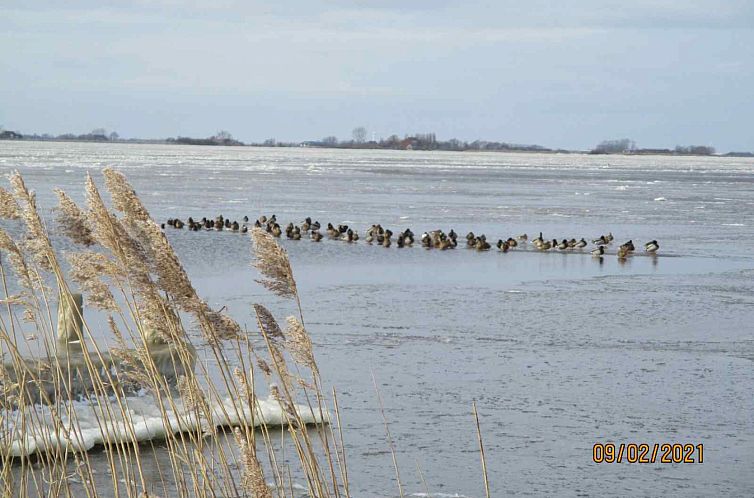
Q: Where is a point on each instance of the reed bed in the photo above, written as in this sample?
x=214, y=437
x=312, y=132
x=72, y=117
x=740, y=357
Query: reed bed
x=79, y=381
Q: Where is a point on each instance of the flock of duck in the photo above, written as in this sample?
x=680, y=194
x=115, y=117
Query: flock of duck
x=435, y=239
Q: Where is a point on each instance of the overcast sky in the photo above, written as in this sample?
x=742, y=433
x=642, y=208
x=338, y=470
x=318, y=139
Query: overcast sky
x=557, y=73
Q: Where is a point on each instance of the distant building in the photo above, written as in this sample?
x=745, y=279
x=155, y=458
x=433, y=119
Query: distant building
x=10, y=135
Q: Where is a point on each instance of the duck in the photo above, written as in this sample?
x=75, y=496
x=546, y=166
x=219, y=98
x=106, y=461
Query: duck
x=400, y=241
x=235, y=226
x=408, y=237
x=446, y=243
x=572, y=243
x=546, y=245
x=426, y=240
x=245, y=219
x=628, y=246
x=523, y=237
x=386, y=238
x=332, y=232
x=512, y=242
x=262, y=220
x=437, y=237
x=171, y=222
x=316, y=236
x=503, y=245
x=316, y=226
x=580, y=244
x=289, y=230
x=651, y=247
x=598, y=252
x=244, y=229
x=602, y=240
x=563, y=245
x=452, y=235
x=623, y=252
x=178, y=224
x=471, y=239
x=296, y=233
x=610, y=237
x=307, y=224
x=276, y=231
x=371, y=234
x=342, y=228
x=227, y=222
x=257, y=224
x=482, y=244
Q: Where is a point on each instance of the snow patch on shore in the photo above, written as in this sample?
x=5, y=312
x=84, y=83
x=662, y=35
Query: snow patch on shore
x=81, y=425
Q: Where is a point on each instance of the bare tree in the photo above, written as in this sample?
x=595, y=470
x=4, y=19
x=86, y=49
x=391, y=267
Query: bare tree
x=359, y=135
x=223, y=135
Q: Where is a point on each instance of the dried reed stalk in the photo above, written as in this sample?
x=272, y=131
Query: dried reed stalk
x=388, y=436
x=481, y=451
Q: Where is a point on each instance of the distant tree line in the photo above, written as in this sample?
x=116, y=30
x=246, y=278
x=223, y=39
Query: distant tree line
x=96, y=135
x=222, y=137
x=417, y=141
x=628, y=146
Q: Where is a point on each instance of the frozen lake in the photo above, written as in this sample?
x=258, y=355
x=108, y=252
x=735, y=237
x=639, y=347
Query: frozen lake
x=560, y=350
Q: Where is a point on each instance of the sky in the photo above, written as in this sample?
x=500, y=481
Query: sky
x=564, y=74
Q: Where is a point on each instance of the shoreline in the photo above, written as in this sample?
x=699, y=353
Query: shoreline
x=304, y=145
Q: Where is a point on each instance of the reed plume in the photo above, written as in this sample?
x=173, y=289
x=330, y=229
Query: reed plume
x=272, y=261
x=299, y=344
x=253, y=480
x=72, y=221
x=267, y=323
x=171, y=276
x=17, y=260
x=37, y=242
x=88, y=270
x=275, y=341
x=159, y=321
x=9, y=209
